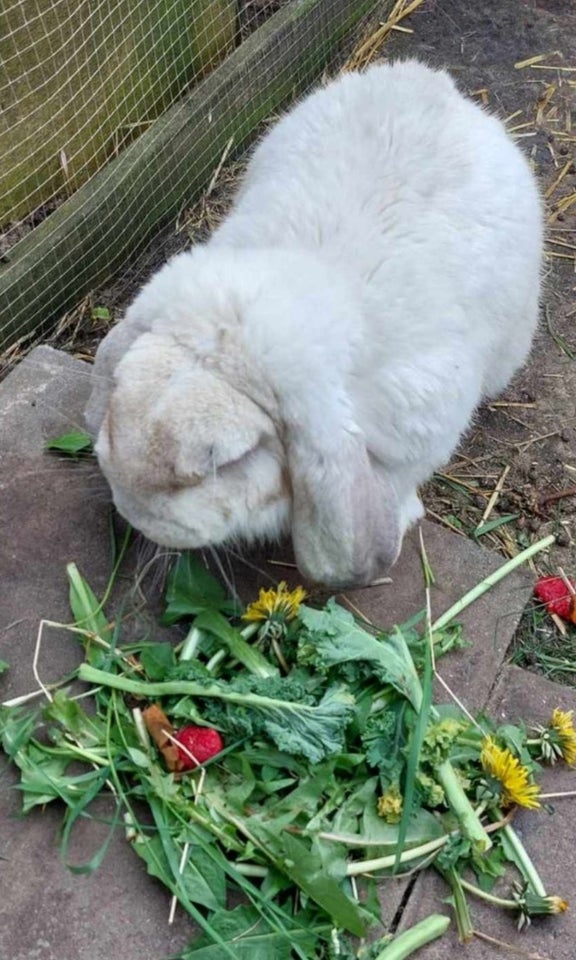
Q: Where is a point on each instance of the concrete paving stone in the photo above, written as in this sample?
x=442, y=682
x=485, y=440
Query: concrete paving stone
x=43, y=397
x=547, y=835
x=51, y=513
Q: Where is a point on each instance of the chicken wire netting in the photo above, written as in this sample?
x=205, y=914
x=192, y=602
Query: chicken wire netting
x=83, y=83
x=79, y=79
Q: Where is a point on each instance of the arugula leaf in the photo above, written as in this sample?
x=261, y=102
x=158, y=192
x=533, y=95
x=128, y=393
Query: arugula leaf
x=4, y=666
x=72, y=443
x=192, y=589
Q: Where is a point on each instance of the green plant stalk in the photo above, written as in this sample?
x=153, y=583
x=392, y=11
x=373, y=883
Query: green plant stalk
x=460, y=805
x=523, y=861
x=358, y=867
x=184, y=688
x=491, y=581
x=251, y=869
x=489, y=897
x=190, y=644
x=236, y=644
x=416, y=937
x=463, y=921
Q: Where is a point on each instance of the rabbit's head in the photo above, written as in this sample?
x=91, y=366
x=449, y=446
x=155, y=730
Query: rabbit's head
x=191, y=459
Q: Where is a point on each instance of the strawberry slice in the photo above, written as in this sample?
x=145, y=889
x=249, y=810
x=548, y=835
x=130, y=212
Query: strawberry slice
x=554, y=593
x=199, y=745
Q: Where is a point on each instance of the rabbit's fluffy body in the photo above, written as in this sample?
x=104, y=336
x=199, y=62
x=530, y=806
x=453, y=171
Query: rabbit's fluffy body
x=317, y=359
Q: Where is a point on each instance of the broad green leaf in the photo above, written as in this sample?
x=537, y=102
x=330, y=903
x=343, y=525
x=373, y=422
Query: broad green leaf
x=252, y=938
x=192, y=589
x=138, y=757
x=77, y=441
x=158, y=659
x=334, y=637
x=202, y=881
x=294, y=856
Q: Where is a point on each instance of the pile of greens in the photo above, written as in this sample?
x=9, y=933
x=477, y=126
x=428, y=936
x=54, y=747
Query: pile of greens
x=337, y=770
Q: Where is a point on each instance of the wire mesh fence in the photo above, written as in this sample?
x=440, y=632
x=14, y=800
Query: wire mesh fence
x=115, y=114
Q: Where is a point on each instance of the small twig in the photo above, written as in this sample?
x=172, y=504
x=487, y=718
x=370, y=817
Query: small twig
x=543, y=436
x=559, y=623
x=510, y=947
x=186, y=848
x=495, y=494
x=445, y=523
x=510, y=403
x=35, y=658
x=569, y=586
x=356, y=609
x=555, y=796
x=218, y=169
x=170, y=736
x=568, y=492
x=459, y=703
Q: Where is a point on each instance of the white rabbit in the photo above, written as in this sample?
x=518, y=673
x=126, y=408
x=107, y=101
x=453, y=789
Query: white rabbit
x=314, y=362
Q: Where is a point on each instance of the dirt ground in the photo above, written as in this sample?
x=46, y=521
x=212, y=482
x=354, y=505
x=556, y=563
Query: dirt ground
x=514, y=477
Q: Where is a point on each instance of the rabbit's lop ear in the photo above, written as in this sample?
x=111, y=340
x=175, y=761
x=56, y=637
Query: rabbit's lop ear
x=345, y=523
x=111, y=350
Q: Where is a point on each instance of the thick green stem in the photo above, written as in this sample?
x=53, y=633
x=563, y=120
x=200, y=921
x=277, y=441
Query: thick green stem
x=190, y=644
x=185, y=688
x=236, y=644
x=490, y=581
x=460, y=805
x=523, y=861
x=416, y=937
x=463, y=921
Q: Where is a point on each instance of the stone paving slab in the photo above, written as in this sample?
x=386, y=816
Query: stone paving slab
x=50, y=515
x=548, y=837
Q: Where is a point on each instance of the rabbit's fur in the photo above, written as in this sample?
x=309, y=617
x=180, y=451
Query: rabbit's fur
x=314, y=362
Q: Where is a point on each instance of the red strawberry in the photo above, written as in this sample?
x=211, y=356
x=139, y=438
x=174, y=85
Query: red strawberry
x=555, y=594
x=202, y=742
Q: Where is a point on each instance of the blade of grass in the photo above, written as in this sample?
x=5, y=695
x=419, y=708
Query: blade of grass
x=413, y=763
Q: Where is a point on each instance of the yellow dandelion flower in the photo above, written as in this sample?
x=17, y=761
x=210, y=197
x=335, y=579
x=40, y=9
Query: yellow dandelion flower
x=390, y=805
x=281, y=604
x=563, y=724
x=502, y=765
